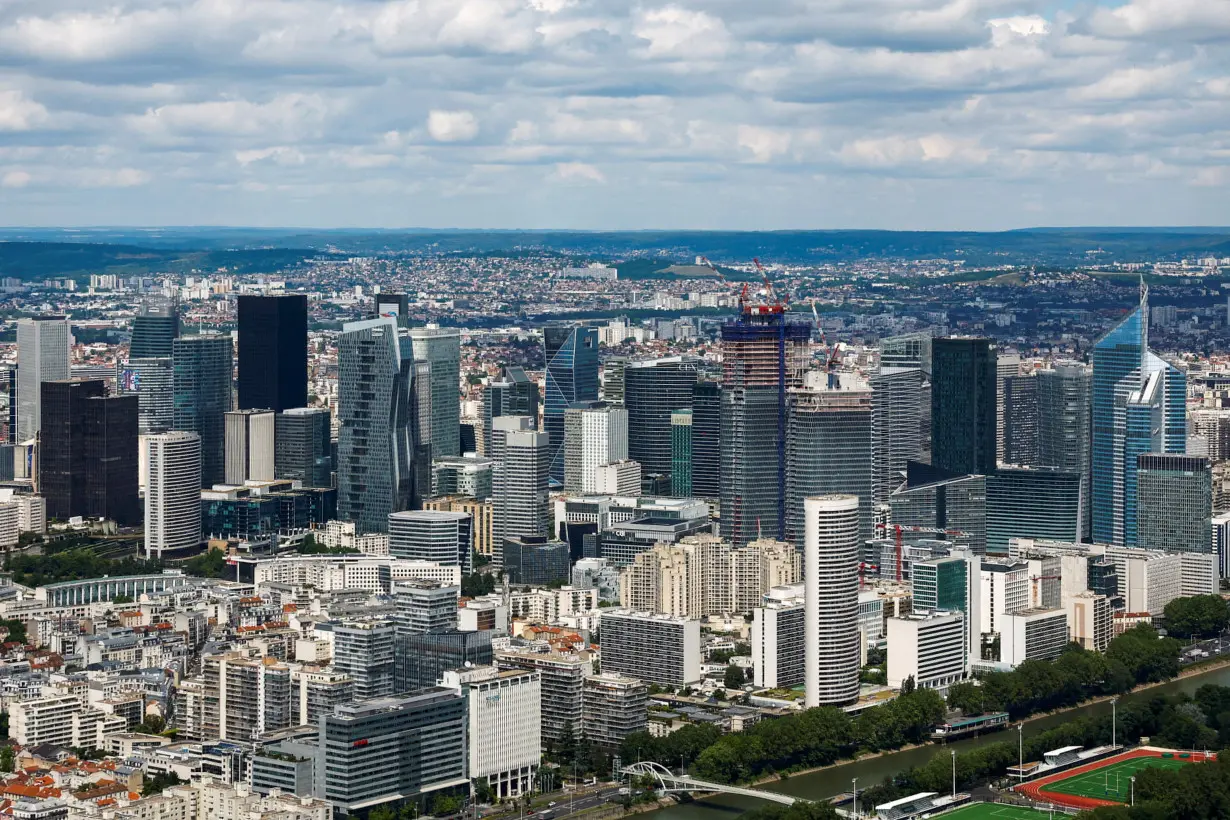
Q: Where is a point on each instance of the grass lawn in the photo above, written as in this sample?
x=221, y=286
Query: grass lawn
x=994, y=811
x=1110, y=782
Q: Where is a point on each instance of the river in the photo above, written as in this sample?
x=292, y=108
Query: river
x=837, y=779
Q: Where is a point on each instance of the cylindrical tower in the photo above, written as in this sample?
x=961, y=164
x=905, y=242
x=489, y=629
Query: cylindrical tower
x=172, y=492
x=830, y=586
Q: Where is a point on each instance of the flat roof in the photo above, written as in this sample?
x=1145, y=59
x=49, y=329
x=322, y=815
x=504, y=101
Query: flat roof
x=914, y=798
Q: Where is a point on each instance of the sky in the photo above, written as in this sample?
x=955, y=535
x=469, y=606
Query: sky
x=615, y=114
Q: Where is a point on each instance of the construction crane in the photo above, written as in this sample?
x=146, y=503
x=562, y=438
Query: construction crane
x=928, y=530
x=720, y=275
x=773, y=302
x=830, y=355
x=1036, y=578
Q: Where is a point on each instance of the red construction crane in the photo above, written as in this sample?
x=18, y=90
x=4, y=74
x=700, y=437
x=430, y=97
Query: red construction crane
x=773, y=303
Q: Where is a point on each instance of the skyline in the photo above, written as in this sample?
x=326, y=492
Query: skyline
x=586, y=115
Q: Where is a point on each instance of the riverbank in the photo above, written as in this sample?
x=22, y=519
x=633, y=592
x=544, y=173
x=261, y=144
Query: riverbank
x=1204, y=668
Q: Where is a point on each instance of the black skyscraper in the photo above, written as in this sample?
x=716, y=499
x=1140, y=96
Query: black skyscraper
x=154, y=329
x=272, y=352
x=88, y=452
x=963, y=405
x=652, y=391
x=706, y=439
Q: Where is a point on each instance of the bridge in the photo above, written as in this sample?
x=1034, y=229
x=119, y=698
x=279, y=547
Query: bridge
x=671, y=783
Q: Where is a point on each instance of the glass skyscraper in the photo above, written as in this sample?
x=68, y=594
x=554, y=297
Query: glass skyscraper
x=653, y=390
x=707, y=439
x=272, y=352
x=963, y=405
x=1175, y=503
x=203, y=366
x=440, y=347
x=1063, y=425
x=154, y=328
x=513, y=394
x=571, y=376
x=1138, y=407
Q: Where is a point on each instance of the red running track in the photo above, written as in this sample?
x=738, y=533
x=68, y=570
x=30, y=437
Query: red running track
x=1036, y=789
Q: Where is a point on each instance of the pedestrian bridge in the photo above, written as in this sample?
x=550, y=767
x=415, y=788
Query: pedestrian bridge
x=671, y=783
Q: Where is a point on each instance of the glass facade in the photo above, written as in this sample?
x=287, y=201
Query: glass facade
x=203, y=367
x=681, y=453
x=272, y=352
x=963, y=405
x=1063, y=425
x=707, y=439
x=1033, y=503
x=1174, y=506
x=653, y=390
x=571, y=376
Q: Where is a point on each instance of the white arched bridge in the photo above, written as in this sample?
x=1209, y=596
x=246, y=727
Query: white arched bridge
x=669, y=782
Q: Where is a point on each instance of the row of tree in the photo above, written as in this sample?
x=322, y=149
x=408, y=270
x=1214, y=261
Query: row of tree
x=73, y=564
x=1202, y=616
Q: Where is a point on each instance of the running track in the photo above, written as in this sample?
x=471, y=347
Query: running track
x=1036, y=789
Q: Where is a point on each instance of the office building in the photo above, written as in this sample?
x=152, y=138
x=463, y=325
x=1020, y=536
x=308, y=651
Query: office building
x=1091, y=621
x=154, y=329
x=88, y=452
x=249, y=446
x=395, y=306
x=480, y=512
x=830, y=582
x=520, y=484
x=1033, y=503
x=421, y=402
x=952, y=504
x=504, y=726
x=423, y=659
x=272, y=352
x=896, y=400
x=374, y=447
x=364, y=651
x=1020, y=420
x=563, y=686
x=469, y=476
x=425, y=606
x=653, y=390
x=951, y=584
x=778, y=643
x=661, y=649
x=1032, y=635
x=203, y=396
x=513, y=394
x=681, y=453
x=446, y=538
x=763, y=356
x=391, y=750
x=1213, y=426
x=43, y=346
x=1064, y=394
x=153, y=380
x=571, y=377
x=1138, y=406
x=928, y=647
x=535, y=560
x=1007, y=366
x=706, y=439
x=1174, y=503
x=440, y=347
x=1004, y=590
x=172, y=492
x=963, y=405
x=303, y=449
x=830, y=448
x=614, y=706
x=621, y=543
x=594, y=434
x=618, y=478
x=911, y=351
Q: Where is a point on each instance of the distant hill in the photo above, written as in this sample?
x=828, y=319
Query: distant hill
x=644, y=268
x=42, y=260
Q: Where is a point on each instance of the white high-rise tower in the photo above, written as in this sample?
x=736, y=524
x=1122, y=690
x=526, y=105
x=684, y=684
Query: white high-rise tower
x=172, y=492
x=43, y=346
x=830, y=592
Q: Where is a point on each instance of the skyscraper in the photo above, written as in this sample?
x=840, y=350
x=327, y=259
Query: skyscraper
x=654, y=389
x=154, y=328
x=364, y=650
x=43, y=344
x=203, y=366
x=1007, y=366
x=763, y=356
x=172, y=492
x=513, y=394
x=594, y=434
x=1020, y=420
x=440, y=347
x=681, y=453
x=431, y=535
x=963, y=405
x=88, y=452
x=272, y=352
x=829, y=450
x=425, y=606
x=571, y=376
x=153, y=380
x=1063, y=425
x=1033, y=502
x=896, y=399
x=374, y=475
x=303, y=447
x=1138, y=407
x=830, y=593
x=395, y=305
x=707, y=439
x=249, y=446
x=520, y=484
x=1175, y=503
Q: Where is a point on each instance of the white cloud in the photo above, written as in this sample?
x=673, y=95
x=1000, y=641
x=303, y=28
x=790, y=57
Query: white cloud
x=764, y=143
x=673, y=31
x=452, y=126
x=579, y=172
x=286, y=113
x=17, y=113
x=15, y=179
x=110, y=177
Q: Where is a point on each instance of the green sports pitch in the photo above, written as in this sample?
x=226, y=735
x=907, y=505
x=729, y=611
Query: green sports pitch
x=1110, y=782
x=993, y=811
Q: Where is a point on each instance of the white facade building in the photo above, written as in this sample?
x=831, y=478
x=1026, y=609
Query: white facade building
x=43, y=354
x=830, y=584
x=778, y=656
x=1091, y=621
x=1033, y=634
x=618, y=478
x=1005, y=589
x=928, y=647
x=329, y=573
x=249, y=448
x=172, y=492
x=505, y=725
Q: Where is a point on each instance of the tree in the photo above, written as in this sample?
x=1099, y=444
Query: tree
x=477, y=584
x=209, y=564
x=907, y=686
x=967, y=697
x=1199, y=615
x=385, y=812
x=158, y=782
x=6, y=759
x=734, y=677
x=152, y=725
x=122, y=599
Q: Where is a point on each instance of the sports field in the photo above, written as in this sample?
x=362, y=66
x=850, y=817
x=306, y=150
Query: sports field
x=994, y=811
x=1111, y=782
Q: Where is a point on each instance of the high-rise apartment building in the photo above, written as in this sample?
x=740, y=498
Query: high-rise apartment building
x=440, y=347
x=364, y=650
x=203, y=366
x=425, y=606
x=374, y=448
x=43, y=346
x=445, y=538
x=154, y=329
x=272, y=352
x=778, y=643
x=1064, y=435
x=896, y=400
x=571, y=377
x=1138, y=406
x=88, y=452
x=661, y=649
x=615, y=706
x=763, y=356
x=594, y=435
x=250, y=451
x=653, y=390
x=963, y=405
x=520, y=484
x=172, y=492
x=303, y=449
x=513, y=394
x=830, y=448
x=1174, y=503
x=245, y=696
x=830, y=588
x=563, y=687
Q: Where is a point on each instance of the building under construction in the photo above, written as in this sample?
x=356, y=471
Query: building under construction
x=763, y=356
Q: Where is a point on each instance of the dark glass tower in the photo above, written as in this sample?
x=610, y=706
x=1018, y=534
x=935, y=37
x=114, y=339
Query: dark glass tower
x=396, y=305
x=571, y=376
x=88, y=452
x=1063, y=426
x=203, y=367
x=302, y=449
x=272, y=352
x=681, y=453
x=963, y=405
x=154, y=328
x=707, y=439
x=1021, y=420
x=513, y=394
x=653, y=390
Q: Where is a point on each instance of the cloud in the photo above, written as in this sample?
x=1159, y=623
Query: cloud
x=675, y=32
x=17, y=113
x=15, y=179
x=579, y=172
x=452, y=126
